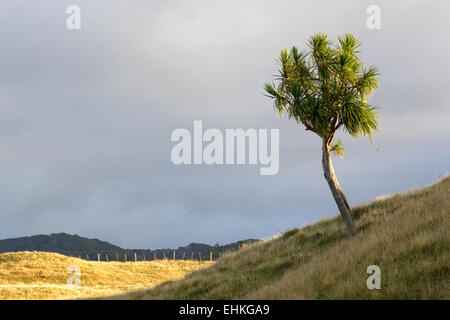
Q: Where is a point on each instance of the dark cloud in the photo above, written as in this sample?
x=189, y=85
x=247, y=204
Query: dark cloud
x=86, y=116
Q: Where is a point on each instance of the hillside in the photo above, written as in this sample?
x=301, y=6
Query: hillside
x=41, y=275
x=88, y=249
x=406, y=235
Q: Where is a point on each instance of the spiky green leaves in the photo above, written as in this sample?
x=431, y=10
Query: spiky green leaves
x=367, y=82
x=338, y=148
x=357, y=116
x=326, y=87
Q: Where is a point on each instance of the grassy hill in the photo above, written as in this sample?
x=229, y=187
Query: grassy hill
x=407, y=236
x=43, y=275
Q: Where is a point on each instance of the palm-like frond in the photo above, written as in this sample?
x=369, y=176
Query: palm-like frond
x=367, y=82
x=338, y=148
x=358, y=118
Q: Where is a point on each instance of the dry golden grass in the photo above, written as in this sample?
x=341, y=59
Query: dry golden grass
x=407, y=236
x=42, y=275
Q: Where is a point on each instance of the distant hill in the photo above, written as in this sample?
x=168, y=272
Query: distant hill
x=92, y=249
x=57, y=242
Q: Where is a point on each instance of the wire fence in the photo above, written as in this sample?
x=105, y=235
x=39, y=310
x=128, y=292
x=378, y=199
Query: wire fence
x=149, y=256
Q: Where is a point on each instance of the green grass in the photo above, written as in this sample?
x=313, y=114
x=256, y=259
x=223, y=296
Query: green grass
x=407, y=236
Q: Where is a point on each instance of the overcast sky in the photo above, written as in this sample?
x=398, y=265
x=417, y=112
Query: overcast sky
x=86, y=115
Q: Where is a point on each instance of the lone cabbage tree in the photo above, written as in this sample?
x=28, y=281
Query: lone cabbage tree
x=326, y=88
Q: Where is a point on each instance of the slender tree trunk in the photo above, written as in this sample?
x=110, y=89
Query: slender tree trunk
x=335, y=188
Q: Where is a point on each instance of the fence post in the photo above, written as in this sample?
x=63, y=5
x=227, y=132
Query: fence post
x=192, y=255
x=143, y=255
x=184, y=255
x=117, y=256
x=173, y=254
x=154, y=255
x=135, y=257
x=210, y=256
x=199, y=256
x=98, y=257
x=87, y=257
x=125, y=257
x=164, y=255
x=107, y=258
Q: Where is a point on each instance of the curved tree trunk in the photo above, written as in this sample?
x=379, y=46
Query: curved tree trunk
x=336, y=190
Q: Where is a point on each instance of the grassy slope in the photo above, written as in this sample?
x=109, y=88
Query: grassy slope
x=43, y=275
x=406, y=235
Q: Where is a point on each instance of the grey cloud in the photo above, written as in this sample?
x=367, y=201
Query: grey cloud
x=86, y=116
